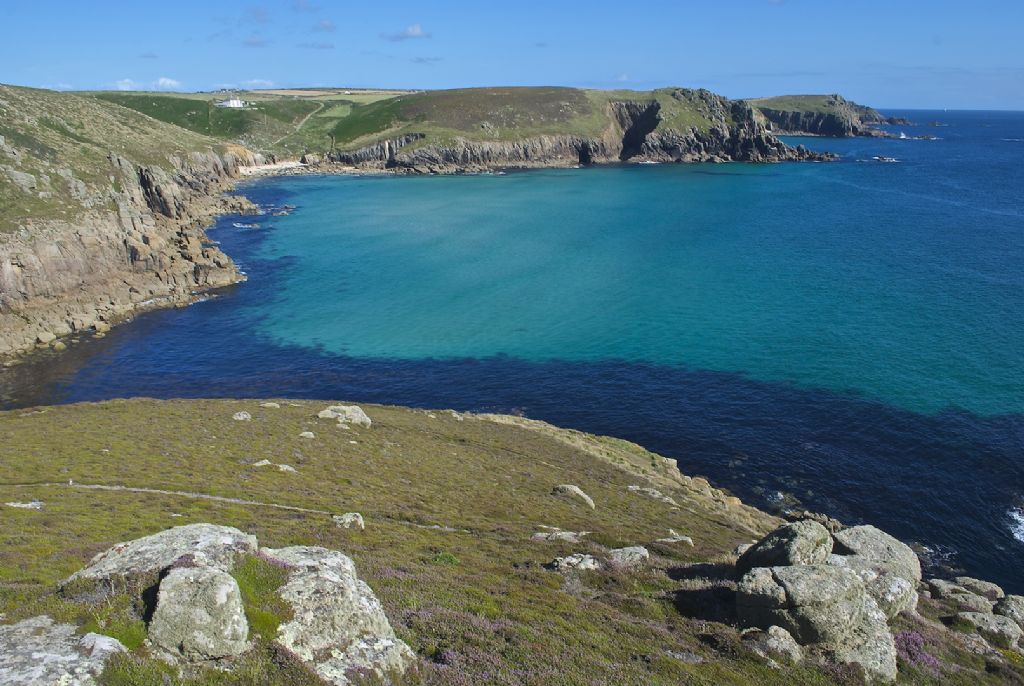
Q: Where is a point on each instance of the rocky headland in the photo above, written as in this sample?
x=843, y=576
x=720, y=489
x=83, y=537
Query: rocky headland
x=823, y=115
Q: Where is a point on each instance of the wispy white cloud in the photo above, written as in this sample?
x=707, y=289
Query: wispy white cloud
x=304, y=6
x=411, y=32
x=165, y=83
x=325, y=26
x=426, y=60
x=149, y=56
x=126, y=85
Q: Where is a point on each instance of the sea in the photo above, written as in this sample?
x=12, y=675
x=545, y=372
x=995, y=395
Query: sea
x=846, y=337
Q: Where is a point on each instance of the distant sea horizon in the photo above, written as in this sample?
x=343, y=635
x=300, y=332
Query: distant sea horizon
x=846, y=337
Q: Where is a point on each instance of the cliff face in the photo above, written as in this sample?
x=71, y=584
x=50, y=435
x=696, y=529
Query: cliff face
x=140, y=245
x=636, y=131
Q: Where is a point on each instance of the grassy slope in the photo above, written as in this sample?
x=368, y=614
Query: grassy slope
x=475, y=604
x=796, y=103
x=57, y=131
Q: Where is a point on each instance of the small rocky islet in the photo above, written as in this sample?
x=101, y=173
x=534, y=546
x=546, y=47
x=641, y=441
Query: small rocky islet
x=322, y=576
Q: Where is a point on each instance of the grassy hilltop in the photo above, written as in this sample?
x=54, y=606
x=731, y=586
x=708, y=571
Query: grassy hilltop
x=450, y=503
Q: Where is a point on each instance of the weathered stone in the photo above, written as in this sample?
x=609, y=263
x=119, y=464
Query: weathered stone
x=998, y=630
x=554, y=534
x=653, y=493
x=569, y=489
x=199, y=615
x=1011, y=606
x=208, y=544
x=286, y=468
x=338, y=626
x=270, y=405
x=983, y=588
x=350, y=520
x=798, y=543
x=943, y=589
x=346, y=414
x=632, y=556
x=815, y=603
x=307, y=434
x=575, y=562
x=879, y=547
x=775, y=645
x=870, y=645
x=971, y=602
x=893, y=593
x=241, y=416
x=40, y=652
x=675, y=537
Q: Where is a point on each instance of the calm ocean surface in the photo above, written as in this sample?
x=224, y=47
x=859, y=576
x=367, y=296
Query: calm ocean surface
x=847, y=335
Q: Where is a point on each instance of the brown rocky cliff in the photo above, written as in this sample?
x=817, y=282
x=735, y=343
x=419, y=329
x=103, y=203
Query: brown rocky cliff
x=142, y=245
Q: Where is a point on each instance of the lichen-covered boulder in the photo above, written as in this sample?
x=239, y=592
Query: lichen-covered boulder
x=1011, y=606
x=350, y=520
x=889, y=568
x=576, y=562
x=998, y=630
x=632, y=556
x=338, y=625
x=575, y=491
x=879, y=547
x=209, y=545
x=199, y=616
x=40, y=652
x=774, y=645
x=798, y=543
x=346, y=414
x=824, y=607
x=986, y=589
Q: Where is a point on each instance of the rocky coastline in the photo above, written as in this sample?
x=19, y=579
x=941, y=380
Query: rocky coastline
x=836, y=118
x=142, y=245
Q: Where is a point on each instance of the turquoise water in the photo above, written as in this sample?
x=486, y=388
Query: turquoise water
x=817, y=275
x=849, y=335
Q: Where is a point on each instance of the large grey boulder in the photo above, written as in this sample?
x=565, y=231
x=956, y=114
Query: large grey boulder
x=798, y=543
x=893, y=593
x=1011, y=606
x=40, y=652
x=199, y=616
x=577, y=562
x=338, y=626
x=824, y=607
x=998, y=630
x=629, y=557
x=209, y=545
x=889, y=568
x=877, y=546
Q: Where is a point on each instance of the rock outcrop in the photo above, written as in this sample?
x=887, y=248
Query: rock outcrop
x=41, y=652
x=346, y=414
x=339, y=626
x=835, y=116
x=573, y=491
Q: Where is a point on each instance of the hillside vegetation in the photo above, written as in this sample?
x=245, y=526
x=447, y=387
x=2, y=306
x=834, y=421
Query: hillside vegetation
x=450, y=503
x=54, y=150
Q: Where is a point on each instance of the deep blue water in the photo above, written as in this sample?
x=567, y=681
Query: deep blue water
x=849, y=334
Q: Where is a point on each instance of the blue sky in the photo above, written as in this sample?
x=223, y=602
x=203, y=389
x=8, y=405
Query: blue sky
x=899, y=53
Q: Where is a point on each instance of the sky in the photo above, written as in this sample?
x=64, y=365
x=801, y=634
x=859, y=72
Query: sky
x=893, y=54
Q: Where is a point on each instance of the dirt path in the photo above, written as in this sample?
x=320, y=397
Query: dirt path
x=302, y=122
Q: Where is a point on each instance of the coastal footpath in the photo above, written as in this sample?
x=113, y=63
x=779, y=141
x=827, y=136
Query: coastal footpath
x=297, y=542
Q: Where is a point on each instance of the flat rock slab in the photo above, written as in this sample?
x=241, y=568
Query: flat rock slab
x=799, y=543
x=339, y=626
x=40, y=652
x=346, y=414
x=208, y=544
x=575, y=491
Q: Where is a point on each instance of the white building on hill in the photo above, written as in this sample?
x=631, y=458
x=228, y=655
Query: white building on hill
x=233, y=103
